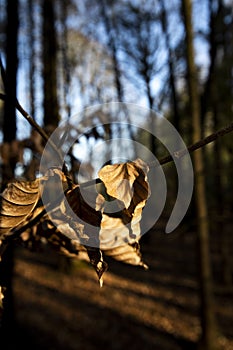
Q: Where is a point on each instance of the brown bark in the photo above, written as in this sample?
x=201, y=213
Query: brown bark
x=50, y=103
x=208, y=323
x=31, y=20
x=66, y=65
x=8, y=167
x=171, y=66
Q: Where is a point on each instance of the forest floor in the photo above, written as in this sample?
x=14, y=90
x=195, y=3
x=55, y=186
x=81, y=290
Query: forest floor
x=135, y=309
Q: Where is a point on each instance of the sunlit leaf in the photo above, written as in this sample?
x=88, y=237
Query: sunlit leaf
x=85, y=210
x=97, y=261
x=126, y=184
x=128, y=254
x=17, y=201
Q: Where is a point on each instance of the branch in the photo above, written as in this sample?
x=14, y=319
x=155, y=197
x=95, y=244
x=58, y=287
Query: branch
x=31, y=121
x=199, y=144
x=43, y=134
x=180, y=153
x=33, y=124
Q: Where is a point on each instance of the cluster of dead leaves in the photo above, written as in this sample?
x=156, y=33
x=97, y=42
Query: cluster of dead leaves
x=80, y=221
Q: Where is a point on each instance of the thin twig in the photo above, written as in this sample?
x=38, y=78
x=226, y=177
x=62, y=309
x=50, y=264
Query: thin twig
x=43, y=134
x=33, y=123
x=23, y=112
x=199, y=144
x=180, y=153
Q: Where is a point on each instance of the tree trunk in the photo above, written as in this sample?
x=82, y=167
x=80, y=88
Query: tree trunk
x=209, y=337
x=9, y=161
x=211, y=94
x=174, y=100
x=111, y=42
x=32, y=55
x=7, y=319
x=66, y=67
x=50, y=103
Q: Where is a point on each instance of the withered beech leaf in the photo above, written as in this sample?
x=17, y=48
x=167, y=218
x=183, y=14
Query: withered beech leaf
x=76, y=218
x=128, y=253
x=96, y=259
x=126, y=183
x=17, y=201
x=84, y=209
x=20, y=202
x=122, y=179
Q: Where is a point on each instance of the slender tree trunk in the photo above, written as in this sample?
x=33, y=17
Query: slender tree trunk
x=8, y=167
x=50, y=103
x=7, y=318
x=212, y=92
x=174, y=100
x=208, y=322
x=152, y=115
x=64, y=56
x=113, y=49
x=31, y=32
x=206, y=99
x=221, y=234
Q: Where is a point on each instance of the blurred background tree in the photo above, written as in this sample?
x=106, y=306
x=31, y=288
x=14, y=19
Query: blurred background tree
x=10, y=154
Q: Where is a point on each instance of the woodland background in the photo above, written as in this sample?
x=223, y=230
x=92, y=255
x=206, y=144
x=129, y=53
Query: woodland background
x=63, y=56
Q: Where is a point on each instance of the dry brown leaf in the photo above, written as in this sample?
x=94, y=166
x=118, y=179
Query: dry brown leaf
x=128, y=254
x=126, y=184
x=97, y=261
x=17, y=201
x=20, y=202
x=83, y=210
